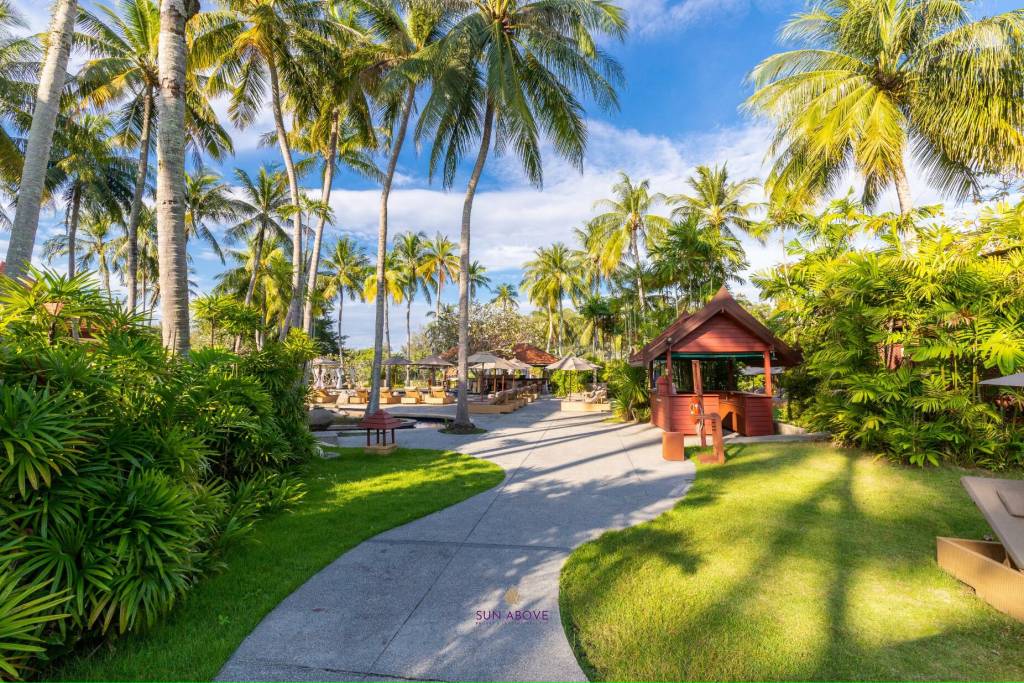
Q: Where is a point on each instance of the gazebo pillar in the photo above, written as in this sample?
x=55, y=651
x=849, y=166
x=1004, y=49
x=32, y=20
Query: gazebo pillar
x=768, y=373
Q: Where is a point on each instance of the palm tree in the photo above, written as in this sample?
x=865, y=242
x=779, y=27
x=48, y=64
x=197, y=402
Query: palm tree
x=17, y=53
x=208, y=198
x=552, y=275
x=881, y=78
x=695, y=258
x=401, y=33
x=393, y=292
x=96, y=242
x=408, y=251
x=716, y=201
x=91, y=172
x=40, y=136
x=477, y=278
x=625, y=223
x=512, y=67
x=260, y=207
x=247, y=45
x=347, y=270
x=348, y=141
x=506, y=297
x=170, y=184
x=441, y=262
x=122, y=43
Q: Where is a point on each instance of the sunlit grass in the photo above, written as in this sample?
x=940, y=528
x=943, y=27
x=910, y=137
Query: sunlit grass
x=350, y=498
x=791, y=561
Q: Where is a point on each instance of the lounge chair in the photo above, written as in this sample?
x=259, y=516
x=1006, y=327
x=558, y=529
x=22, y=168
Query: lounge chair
x=497, y=404
x=438, y=397
x=387, y=398
x=412, y=397
x=994, y=570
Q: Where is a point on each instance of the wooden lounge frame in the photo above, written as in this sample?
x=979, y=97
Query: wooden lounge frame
x=994, y=570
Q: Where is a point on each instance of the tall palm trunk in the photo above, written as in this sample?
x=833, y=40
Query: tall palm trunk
x=40, y=137
x=341, y=304
x=551, y=329
x=387, y=328
x=903, y=192
x=325, y=195
x=251, y=287
x=135, y=212
x=76, y=207
x=408, y=337
x=462, y=408
x=437, y=304
x=170, y=181
x=292, y=316
x=635, y=249
x=382, y=248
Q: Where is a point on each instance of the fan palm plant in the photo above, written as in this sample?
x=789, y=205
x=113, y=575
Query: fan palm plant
x=477, y=278
x=260, y=207
x=625, y=223
x=510, y=71
x=880, y=80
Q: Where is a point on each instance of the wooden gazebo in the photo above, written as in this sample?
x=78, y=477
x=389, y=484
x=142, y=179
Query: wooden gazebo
x=692, y=369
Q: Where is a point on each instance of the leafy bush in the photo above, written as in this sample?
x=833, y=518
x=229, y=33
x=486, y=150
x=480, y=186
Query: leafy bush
x=898, y=337
x=568, y=382
x=126, y=471
x=628, y=390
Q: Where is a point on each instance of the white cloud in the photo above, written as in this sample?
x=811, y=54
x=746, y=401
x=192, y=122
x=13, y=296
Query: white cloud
x=647, y=17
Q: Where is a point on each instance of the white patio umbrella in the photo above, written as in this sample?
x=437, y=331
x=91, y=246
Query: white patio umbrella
x=433, y=362
x=488, y=361
x=393, y=362
x=1016, y=380
x=572, y=363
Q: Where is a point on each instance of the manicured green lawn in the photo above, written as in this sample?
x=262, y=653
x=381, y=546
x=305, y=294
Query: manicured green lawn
x=349, y=499
x=791, y=561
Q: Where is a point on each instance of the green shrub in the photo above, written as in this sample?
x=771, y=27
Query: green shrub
x=568, y=382
x=627, y=388
x=126, y=471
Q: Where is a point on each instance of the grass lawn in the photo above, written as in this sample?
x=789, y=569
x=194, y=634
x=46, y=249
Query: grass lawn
x=791, y=561
x=349, y=499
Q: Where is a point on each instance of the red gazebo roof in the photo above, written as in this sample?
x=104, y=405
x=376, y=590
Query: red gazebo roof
x=380, y=420
x=531, y=355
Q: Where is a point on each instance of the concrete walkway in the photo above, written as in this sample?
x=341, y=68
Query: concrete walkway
x=411, y=603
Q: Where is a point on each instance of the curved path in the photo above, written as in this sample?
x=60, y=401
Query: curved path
x=408, y=604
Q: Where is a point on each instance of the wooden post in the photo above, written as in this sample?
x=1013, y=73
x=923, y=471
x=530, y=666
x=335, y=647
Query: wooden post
x=768, y=373
x=698, y=388
x=732, y=373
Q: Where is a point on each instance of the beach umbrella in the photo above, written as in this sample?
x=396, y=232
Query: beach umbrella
x=393, y=362
x=488, y=361
x=1016, y=380
x=433, y=362
x=572, y=363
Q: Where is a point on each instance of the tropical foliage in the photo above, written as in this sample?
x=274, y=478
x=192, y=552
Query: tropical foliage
x=127, y=471
x=897, y=337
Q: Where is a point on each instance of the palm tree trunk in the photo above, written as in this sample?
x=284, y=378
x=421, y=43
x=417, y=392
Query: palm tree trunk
x=136, y=208
x=251, y=287
x=408, y=337
x=561, y=328
x=462, y=408
x=76, y=206
x=387, y=328
x=551, y=329
x=341, y=346
x=40, y=137
x=382, y=248
x=170, y=183
x=437, y=304
x=292, y=316
x=903, y=192
x=325, y=195
x=639, y=275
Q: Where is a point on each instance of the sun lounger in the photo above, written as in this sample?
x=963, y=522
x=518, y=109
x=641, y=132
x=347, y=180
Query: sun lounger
x=496, y=405
x=412, y=397
x=387, y=398
x=994, y=570
x=438, y=397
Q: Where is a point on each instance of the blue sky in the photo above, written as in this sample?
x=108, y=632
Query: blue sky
x=685, y=62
